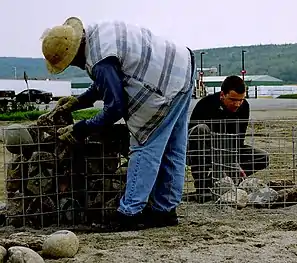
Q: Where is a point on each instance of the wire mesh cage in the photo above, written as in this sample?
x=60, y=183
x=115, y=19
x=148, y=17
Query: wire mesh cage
x=256, y=169
x=50, y=182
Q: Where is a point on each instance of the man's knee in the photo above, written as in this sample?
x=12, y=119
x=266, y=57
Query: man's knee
x=259, y=161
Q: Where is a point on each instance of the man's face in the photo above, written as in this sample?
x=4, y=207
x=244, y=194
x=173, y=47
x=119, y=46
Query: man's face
x=232, y=100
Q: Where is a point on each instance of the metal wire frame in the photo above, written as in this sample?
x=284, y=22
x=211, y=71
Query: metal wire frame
x=267, y=158
x=50, y=183
x=95, y=174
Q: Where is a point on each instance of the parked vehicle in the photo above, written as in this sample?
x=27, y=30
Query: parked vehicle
x=37, y=96
x=7, y=94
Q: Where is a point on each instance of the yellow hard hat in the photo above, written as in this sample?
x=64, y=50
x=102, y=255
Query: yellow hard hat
x=61, y=43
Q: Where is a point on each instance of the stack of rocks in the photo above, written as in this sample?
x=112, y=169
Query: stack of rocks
x=50, y=182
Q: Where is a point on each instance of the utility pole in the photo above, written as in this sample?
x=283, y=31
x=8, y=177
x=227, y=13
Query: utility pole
x=243, y=71
x=15, y=72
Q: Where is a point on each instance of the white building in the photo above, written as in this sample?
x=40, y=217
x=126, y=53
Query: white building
x=58, y=88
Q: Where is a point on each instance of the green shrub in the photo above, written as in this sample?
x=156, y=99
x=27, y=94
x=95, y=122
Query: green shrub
x=287, y=96
x=34, y=114
x=21, y=115
x=85, y=114
x=7, y=106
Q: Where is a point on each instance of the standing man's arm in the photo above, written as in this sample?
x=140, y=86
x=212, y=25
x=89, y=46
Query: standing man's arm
x=109, y=88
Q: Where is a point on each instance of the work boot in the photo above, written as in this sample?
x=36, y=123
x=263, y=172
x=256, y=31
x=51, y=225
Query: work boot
x=121, y=222
x=154, y=218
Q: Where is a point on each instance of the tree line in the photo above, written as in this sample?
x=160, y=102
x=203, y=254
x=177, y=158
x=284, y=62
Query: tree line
x=279, y=61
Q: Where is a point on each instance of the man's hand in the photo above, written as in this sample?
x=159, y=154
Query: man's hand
x=67, y=103
x=66, y=134
x=242, y=173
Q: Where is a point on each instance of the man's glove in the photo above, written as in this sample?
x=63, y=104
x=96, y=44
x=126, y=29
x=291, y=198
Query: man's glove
x=66, y=134
x=67, y=104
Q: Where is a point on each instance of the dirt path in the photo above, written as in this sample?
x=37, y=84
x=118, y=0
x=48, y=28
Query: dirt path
x=246, y=236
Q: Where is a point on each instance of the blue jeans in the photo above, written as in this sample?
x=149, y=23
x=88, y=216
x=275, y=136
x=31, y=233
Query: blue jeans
x=157, y=168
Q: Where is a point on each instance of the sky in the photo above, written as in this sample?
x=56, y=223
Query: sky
x=198, y=24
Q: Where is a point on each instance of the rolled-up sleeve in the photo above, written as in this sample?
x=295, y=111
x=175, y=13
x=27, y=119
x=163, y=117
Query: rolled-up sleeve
x=108, y=86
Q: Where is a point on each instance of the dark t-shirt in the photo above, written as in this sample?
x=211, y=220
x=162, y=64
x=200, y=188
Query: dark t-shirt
x=211, y=111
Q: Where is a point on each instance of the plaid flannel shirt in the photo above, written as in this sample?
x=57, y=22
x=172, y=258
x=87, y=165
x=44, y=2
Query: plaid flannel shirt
x=155, y=71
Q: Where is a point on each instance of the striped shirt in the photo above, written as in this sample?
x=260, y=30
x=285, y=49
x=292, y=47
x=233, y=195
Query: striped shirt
x=155, y=71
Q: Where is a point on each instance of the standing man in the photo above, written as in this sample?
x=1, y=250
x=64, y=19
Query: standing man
x=145, y=79
x=227, y=113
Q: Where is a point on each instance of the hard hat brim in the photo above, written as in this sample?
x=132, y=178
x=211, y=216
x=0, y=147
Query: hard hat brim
x=78, y=28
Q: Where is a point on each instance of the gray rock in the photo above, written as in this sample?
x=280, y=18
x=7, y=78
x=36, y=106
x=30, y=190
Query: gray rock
x=287, y=196
x=263, y=196
x=16, y=169
x=235, y=197
x=2, y=206
x=16, y=137
x=15, y=208
x=250, y=185
x=26, y=239
x=3, y=254
x=1, y=134
x=70, y=211
x=40, y=172
x=61, y=244
x=19, y=254
x=50, y=122
x=223, y=185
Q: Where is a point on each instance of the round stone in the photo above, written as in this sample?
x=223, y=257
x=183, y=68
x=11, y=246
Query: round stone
x=3, y=253
x=20, y=254
x=61, y=244
x=16, y=136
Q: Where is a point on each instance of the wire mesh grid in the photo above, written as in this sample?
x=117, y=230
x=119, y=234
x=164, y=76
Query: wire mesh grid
x=49, y=182
x=257, y=170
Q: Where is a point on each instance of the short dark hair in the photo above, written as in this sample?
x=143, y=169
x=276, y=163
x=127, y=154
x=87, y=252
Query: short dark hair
x=233, y=83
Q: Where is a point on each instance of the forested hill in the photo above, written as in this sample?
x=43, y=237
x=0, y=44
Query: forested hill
x=276, y=60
